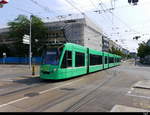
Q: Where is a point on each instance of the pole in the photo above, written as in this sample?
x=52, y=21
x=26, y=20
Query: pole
x=30, y=50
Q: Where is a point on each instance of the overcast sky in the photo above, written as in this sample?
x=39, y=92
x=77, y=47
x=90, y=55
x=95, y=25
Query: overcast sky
x=125, y=21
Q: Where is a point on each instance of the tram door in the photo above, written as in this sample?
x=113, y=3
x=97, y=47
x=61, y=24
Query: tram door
x=88, y=60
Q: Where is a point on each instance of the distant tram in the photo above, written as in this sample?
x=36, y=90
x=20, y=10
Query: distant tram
x=71, y=60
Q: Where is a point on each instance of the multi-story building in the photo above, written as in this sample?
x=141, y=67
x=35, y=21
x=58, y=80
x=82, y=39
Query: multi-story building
x=80, y=31
x=148, y=43
x=4, y=39
x=125, y=51
x=114, y=45
x=133, y=54
x=105, y=42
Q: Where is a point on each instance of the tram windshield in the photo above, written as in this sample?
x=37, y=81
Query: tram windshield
x=52, y=56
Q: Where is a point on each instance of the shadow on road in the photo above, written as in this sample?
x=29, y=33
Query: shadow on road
x=37, y=80
x=28, y=81
x=32, y=81
x=141, y=65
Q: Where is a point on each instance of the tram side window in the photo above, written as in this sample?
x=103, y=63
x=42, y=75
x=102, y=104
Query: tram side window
x=111, y=60
x=79, y=59
x=117, y=59
x=67, y=60
x=95, y=59
x=100, y=60
x=106, y=60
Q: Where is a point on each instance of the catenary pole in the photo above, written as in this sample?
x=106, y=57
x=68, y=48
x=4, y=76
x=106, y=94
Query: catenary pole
x=30, y=50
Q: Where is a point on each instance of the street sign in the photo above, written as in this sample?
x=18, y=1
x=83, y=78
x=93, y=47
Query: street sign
x=4, y=54
x=26, y=36
x=26, y=39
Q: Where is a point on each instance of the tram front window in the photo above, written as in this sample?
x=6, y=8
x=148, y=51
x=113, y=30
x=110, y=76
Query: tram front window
x=52, y=56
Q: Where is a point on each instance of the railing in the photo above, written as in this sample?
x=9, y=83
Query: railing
x=20, y=60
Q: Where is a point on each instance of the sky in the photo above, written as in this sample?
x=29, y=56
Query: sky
x=120, y=24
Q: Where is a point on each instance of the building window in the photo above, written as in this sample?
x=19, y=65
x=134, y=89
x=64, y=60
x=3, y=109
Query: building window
x=79, y=59
x=67, y=60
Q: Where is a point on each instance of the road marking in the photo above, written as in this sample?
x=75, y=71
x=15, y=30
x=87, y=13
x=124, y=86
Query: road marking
x=58, y=87
x=138, y=96
x=11, y=102
x=129, y=91
x=7, y=80
x=123, y=108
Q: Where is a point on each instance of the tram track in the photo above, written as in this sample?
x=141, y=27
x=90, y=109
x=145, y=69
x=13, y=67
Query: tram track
x=19, y=87
x=80, y=93
x=73, y=95
x=88, y=97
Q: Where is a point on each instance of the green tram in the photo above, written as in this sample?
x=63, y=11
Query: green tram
x=71, y=60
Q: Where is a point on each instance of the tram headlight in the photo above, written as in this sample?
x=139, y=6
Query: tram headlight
x=54, y=70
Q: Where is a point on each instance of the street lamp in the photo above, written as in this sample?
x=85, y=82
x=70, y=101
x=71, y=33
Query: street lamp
x=30, y=49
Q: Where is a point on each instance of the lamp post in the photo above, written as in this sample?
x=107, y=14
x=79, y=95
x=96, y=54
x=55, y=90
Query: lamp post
x=30, y=49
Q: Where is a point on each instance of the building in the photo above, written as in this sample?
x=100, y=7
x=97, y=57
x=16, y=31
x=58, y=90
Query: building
x=114, y=45
x=105, y=43
x=80, y=31
x=4, y=39
x=148, y=43
x=133, y=54
x=125, y=51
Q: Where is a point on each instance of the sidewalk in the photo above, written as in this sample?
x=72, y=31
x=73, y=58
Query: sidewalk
x=10, y=72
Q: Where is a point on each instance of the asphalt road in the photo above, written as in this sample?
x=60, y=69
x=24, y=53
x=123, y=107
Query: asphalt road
x=10, y=72
x=96, y=92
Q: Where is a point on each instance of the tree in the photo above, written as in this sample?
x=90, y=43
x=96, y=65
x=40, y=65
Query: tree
x=117, y=52
x=143, y=50
x=21, y=26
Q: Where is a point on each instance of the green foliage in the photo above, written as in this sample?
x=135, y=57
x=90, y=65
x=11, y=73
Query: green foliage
x=118, y=52
x=21, y=26
x=143, y=50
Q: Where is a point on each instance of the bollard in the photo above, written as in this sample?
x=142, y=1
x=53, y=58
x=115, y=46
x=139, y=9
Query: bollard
x=33, y=70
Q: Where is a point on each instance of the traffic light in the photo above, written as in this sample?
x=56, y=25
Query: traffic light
x=134, y=2
x=136, y=37
x=129, y=1
x=2, y=2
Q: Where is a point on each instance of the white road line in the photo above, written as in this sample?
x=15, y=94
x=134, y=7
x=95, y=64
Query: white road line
x=129, y=91
x=138, y=96
x=11, y=102
x=58, y=87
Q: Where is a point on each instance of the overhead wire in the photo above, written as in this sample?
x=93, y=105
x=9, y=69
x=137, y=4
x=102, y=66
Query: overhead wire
x=75, y=7
x=99, y=12
x=119, y=18
x=105, y=19
x=42, y=7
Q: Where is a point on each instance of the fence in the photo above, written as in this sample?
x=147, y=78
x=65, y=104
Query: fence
x=20, y=60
